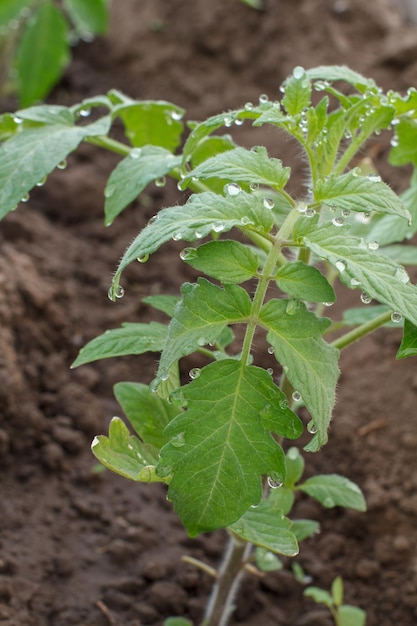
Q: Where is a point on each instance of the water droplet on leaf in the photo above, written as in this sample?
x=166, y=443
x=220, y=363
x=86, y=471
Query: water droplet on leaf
x=232, y=189
x=177, y=236
x=263, y=98
x=396, y=317
x=194, y=373
x=365, y=298
x=188, y=253
x=298, y=72
x=311, y=427
x=41, y=182
x=340, y=265
x=268, y=203
x=135, y=153
x=25, y=198
x=62, y=165
x=373, y=245
x=271, y=350
x=338, y=221
x=274, y=484
x=160, y=182
x=296, y=396
x=178, y=441
x=143, y=258
x=402, y=276
x=218, y=227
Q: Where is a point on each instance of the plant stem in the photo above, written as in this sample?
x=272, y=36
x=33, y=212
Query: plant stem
x=220, y=605
x=361, y=331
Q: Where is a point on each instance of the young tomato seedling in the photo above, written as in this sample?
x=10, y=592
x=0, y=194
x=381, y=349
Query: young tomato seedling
x=217, y=437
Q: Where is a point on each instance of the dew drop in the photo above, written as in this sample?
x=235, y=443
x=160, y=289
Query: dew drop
x=274, y=484
x=354, y=282
x=338, y=221
x=396, y=317
x=268, y=203
x=188, y=254
x=328, y=503
x=178, y=441
x=239, y=122
x=340, y=266
x=365, y=298
x=228, y=121
x=283, y=404
x=373, y=245
x=143, y=258
x=348, y=134
x=194, y=373
x=62, y=165
x=296, y=396
x=248, y=106
x=245, y=220
x=153, y=219
x=232, y=189
x=298, y=72
x=41, y=182
x=198, y=234
x=177, y=398
x=302, y=207
x=254, y=187
x=218, y=227
x=135, y=153
x=374, y=178
x=84, y=112
x=321, y=85
x=402, y=276
x=17, y=119
x=177, y=115
x=160, y=182
x=263, y=98
x=311, y=427
x=119, y=292
x=394, y=141
x=346, y=212
x=270, y=371
x=271, y=350
x=328, y=303
x=177, y=236
x=310, y=212
x=25, y=198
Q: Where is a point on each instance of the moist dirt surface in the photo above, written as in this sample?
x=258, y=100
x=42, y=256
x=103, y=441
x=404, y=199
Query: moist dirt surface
x=83, y=548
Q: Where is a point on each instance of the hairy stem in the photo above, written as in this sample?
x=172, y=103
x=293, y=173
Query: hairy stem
x=220, y=605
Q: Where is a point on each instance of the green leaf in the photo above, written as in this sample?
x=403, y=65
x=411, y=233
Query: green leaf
x=89, y=16
x=319, y=595
x=267, y=561
x=202, y=214
x=359, y=193
x=43, y=53
x=133, y=174
x=337, y=591
x=125, y=454
x=163, y=303
x=297, y=92
x=343, y=73
x=378, y=276
x=406, y=139
x=282, y=497
x=351, y=616
x=408, y=345
x=309, y=362
x=200, y=317
x=294, y=464
x=254, y=4
x=405, y=255
x=226, y=448
x=48, y=114
x=241, y=165
x=227, y=261
x=131, y=338
x=304, y=282
x=146, y=411
x=36, y=152
x=12, y=10
x=152, y=122
x=333, y=490
x=265, y=526
x=304, y=528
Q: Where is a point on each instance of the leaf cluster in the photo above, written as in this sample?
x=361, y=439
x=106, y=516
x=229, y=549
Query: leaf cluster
x=269, y=261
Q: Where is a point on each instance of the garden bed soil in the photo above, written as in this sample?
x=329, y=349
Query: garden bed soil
x=83, y=548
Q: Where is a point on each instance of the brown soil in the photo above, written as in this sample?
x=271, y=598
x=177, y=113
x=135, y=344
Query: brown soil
x=91, y=549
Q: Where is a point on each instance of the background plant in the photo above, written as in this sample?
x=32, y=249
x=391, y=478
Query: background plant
x=36, y=38
x=210, y=439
